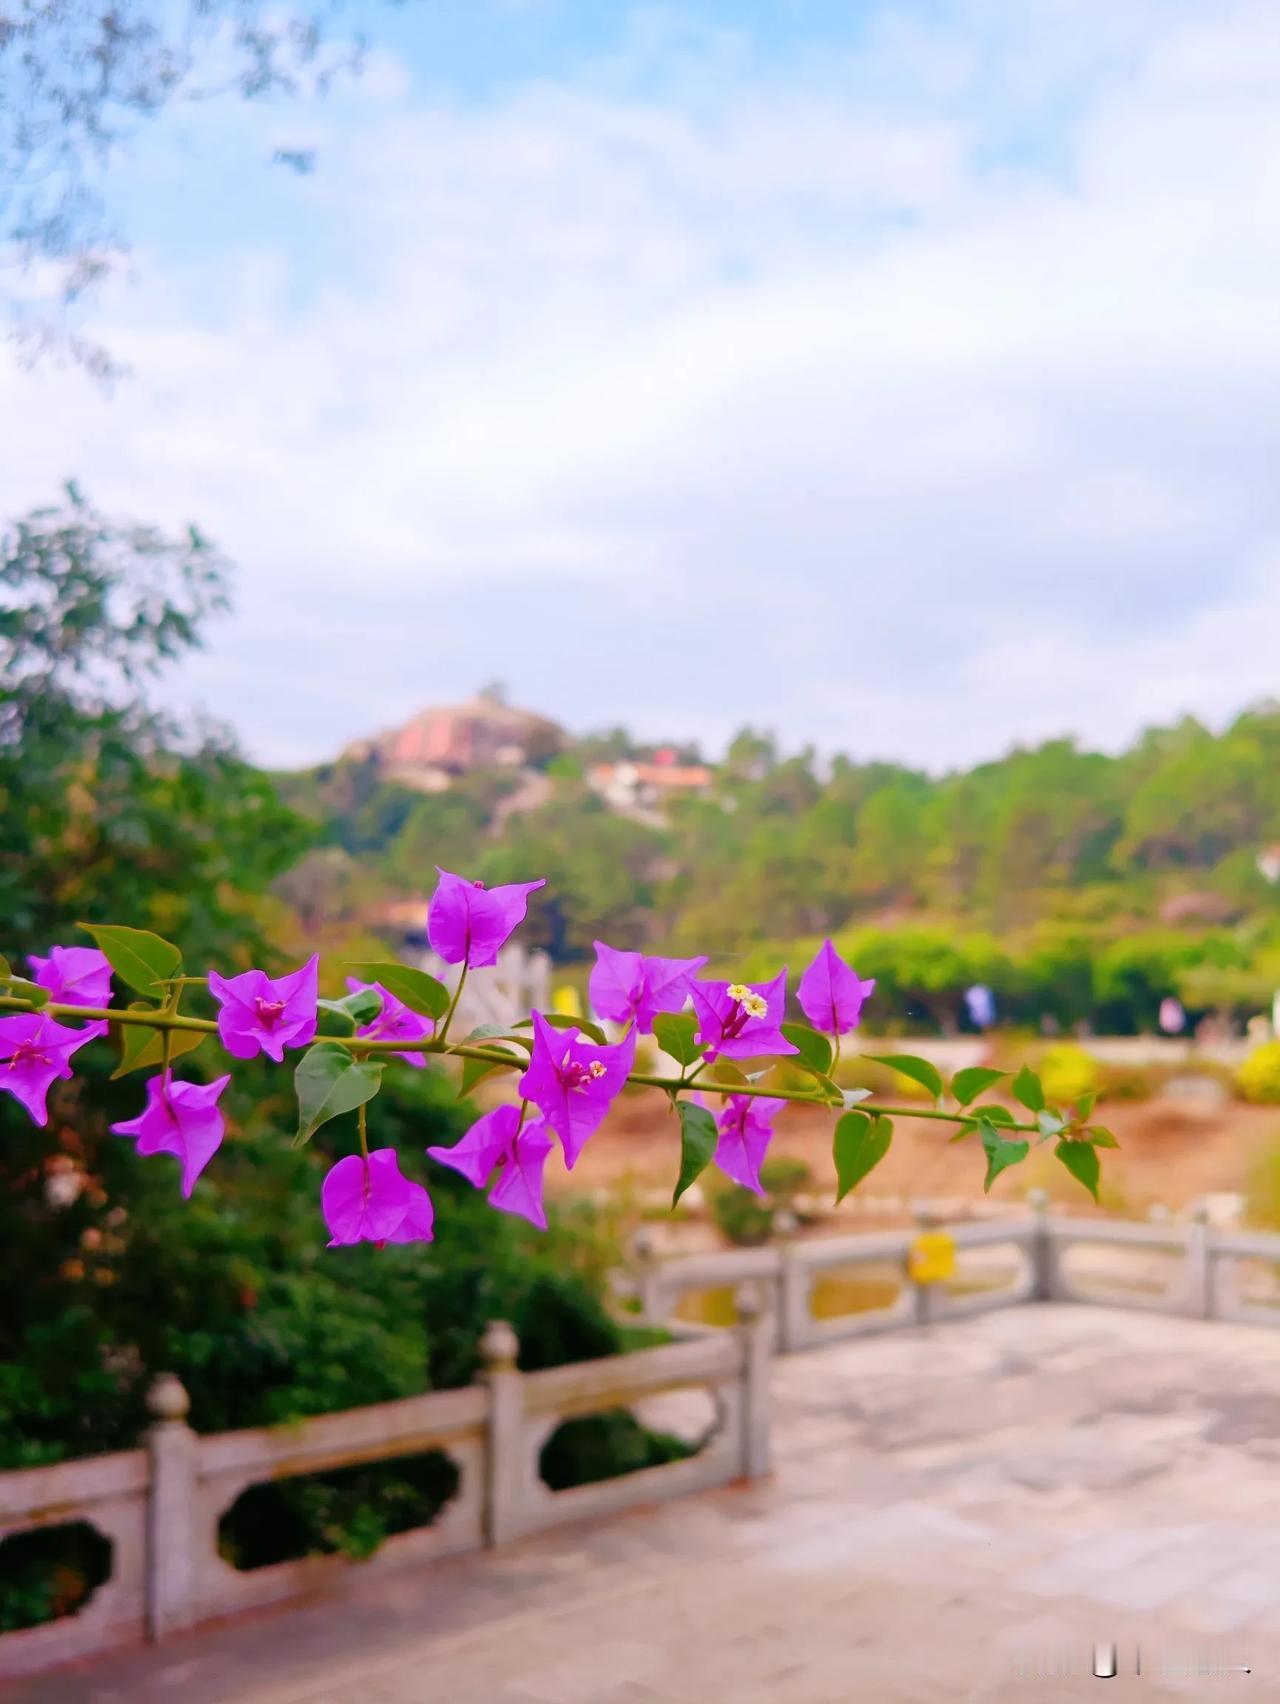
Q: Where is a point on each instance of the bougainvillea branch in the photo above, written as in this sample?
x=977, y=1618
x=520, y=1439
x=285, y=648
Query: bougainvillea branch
x=571, y=1070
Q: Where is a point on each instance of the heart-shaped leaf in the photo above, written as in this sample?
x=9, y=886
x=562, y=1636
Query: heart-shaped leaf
x=676, y=1034
x=140, y=1046
x=858, y=1146
x=975, y=1080
x=330, y=1082
x=357, y=1009
x=143, y=960
x=1081, y=1160
x=698, y=1138
x=725, y=1071
x=475, y=1071
x=1001, y=1153
x=919, y=1070
x=1028, y=1088
x=418, y=991
x=814, y=1048
x=994, y=1114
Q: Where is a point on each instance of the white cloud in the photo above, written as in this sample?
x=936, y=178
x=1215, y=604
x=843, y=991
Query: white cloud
x=792, y=396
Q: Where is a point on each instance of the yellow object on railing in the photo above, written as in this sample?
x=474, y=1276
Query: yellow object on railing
x=931, y=1259
x=565, y=1002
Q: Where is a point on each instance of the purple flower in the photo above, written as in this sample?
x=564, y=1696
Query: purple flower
x=395, y=1022
x=74, y=976
x=740, y=1020
x=518, y=1153
x=261, y=1014
x=746, y=1130
x=372, y=1201
x=418, y=1224
x=182, y=1119
x=626, y=986
x=34, y=1049
x=831, y=994
x=470, y=923
x=573, y=1082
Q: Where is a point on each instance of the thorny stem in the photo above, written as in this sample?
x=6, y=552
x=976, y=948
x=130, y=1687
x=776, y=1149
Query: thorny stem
x=164, y=1019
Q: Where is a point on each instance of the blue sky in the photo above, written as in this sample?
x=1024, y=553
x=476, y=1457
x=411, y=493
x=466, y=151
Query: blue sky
x=899, y=376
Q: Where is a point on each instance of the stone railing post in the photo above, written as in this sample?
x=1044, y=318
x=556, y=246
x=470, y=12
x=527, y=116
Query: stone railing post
x=1041, y=1251
x=171, y=1560
x=791, y=1324
x=1198, y=1278
x=504, y=1451
x=644, y=1249
x=922, y=1301
x=755, y=1331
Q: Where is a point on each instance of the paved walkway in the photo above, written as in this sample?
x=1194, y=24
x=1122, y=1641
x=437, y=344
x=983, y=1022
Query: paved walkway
x=956, y=1514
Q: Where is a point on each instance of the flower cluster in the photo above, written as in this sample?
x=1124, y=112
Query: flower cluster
x=570, y=1072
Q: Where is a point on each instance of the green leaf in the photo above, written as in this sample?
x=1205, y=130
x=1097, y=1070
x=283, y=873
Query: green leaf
x=562, y=1020
x=814, y=1048
x=358, y=1008
x=498, y=1032
x=5, y=971
x=140, y=1046
x=919, y=1070
x=1081, y=1160
x=1085, y=1105
x=725, y=1071
x=475, y=1071
x=676, y=1034
x=1001, y=1153
x=698, y=1136
x=858, y=1146
x=138, y=957
x=1028, y=1088
x=420, y=992
x=975, y=1080
x=995, y=1114
x=34, y=993
x=1100, y=1137
x=329, y=1082
x=1049, y=1124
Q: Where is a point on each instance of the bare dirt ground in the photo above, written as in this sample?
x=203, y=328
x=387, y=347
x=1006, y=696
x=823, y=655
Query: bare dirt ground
x=1171, y=1152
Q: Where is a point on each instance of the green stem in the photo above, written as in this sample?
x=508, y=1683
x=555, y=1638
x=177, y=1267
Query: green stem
x=364, y=1133
x=157, y=1019
x=453, y=1004
x=166, y=1020
x=167, y=1038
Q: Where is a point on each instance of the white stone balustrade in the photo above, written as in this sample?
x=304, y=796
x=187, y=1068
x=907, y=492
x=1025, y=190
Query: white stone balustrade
x=160, y=1505
x=1190, y=1269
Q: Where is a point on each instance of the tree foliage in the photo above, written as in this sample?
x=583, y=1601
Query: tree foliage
x=1079, y=886
x=78, y=77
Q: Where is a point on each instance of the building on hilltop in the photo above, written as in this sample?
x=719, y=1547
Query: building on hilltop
x=437, y=745
x=645, y=789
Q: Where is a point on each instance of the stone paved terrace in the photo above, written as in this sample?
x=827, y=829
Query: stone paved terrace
x=954, y=1514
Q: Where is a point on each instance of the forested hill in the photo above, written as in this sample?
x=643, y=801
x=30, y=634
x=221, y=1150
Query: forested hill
x=1051, y=857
